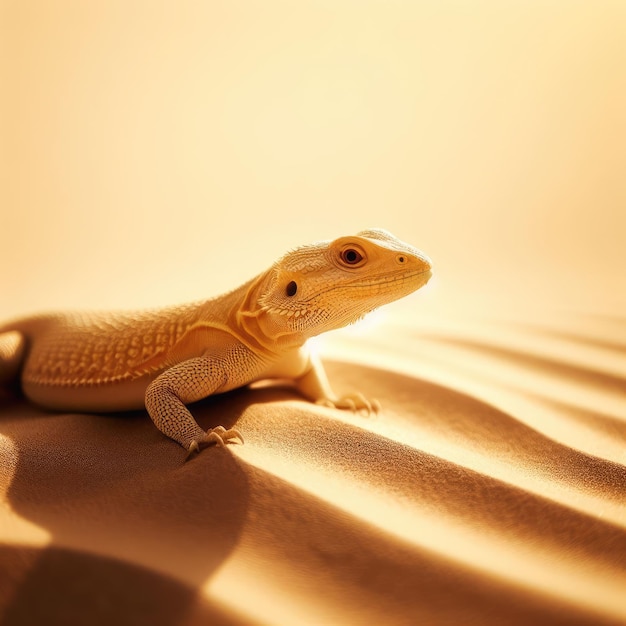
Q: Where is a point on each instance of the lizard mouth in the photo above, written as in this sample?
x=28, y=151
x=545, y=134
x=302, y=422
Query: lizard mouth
x=394, y=279
x=403, y=282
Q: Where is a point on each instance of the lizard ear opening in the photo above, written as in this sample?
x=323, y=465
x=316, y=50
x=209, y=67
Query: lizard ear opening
x=292, y=289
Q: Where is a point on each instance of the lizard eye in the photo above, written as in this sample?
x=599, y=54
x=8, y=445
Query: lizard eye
x=292, y=288
x=351, y=256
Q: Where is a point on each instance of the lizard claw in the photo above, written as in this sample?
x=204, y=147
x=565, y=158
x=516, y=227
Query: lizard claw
x=218, y=435
x=354, y=402
x=194, y=448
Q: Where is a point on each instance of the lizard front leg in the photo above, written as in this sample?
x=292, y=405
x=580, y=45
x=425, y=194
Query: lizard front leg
x=187, y=382
x=314, y=386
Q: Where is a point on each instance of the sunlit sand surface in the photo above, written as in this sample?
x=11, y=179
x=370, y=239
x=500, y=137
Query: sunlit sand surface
x=491, y=488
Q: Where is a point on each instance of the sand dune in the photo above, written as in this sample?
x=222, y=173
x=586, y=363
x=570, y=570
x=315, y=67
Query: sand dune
x=485, y=502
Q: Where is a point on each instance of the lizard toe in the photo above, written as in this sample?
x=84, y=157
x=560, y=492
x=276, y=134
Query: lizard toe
x=355, y=402
x=220, y=435
x=230, y=434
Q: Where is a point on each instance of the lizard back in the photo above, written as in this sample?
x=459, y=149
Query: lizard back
x=94, y=349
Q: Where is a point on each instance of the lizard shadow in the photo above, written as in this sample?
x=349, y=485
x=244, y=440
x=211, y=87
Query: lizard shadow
x=119, y=507
x=63, y=586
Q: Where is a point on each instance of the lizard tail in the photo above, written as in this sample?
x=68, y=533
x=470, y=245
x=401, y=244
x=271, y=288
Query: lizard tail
x=12, y=355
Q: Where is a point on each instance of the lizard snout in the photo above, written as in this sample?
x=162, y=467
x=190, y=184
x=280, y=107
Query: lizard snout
x=417, y=261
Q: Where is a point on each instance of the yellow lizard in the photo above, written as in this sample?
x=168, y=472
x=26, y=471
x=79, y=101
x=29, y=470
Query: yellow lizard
x=167, y=358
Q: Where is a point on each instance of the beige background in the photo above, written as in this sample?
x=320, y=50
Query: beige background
x=156, y=152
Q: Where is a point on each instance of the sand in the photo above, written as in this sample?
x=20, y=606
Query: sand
x=490, y=490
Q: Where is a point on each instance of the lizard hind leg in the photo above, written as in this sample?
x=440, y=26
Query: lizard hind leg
x=12, y=354
x=314, y=386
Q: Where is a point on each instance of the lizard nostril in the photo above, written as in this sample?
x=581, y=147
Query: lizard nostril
x=416, y=261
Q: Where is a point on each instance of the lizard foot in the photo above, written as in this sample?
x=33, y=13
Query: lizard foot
x=218, y=435
x=353, y=402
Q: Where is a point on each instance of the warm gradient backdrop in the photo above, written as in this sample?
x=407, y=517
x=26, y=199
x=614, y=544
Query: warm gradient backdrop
x=155, y=152
x=162, y=151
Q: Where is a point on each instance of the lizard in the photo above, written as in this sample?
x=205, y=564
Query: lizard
x=165, y=359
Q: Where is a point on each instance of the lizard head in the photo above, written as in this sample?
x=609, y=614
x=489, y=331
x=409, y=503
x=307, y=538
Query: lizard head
x=330, y=284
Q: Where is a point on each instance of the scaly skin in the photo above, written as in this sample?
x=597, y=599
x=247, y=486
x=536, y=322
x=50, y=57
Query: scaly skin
x=168, y=358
